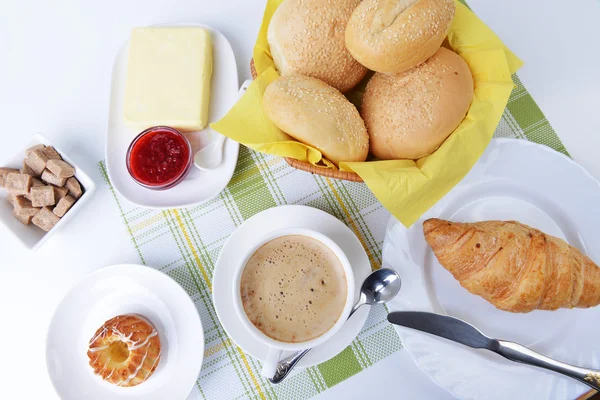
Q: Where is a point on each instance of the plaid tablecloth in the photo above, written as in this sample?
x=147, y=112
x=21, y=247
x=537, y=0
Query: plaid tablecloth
x=185, y=243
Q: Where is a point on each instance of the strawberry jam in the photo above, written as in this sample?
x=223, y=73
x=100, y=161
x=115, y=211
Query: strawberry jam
x=159, y=157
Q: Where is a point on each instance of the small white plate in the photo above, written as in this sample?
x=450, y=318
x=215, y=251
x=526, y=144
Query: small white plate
x=125, y=289
x=198, y=186
x=30, y=235
x=242, y=240
x=513, y=180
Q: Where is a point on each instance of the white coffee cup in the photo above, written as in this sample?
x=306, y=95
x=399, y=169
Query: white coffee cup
x=276, y=347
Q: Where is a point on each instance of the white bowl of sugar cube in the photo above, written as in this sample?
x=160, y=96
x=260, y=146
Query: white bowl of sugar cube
x=40, y=191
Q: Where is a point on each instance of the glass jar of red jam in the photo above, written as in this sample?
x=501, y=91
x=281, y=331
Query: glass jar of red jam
x=159, y=157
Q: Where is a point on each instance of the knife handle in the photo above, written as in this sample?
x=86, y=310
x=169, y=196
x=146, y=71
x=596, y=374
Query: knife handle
x=521, y=354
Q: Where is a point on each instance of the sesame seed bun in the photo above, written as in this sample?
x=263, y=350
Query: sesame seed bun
x=395, y=35
x=319, y=115
x=409, y=115
x=307, y=37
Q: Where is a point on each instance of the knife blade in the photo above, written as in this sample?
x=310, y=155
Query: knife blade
x=444, y=326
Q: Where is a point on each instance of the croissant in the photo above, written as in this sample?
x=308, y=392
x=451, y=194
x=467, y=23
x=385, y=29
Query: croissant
x=513, y=266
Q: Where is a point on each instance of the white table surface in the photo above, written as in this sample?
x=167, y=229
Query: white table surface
x=55, y=65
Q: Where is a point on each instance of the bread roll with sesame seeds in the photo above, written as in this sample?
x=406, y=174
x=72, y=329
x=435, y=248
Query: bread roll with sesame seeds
x=307, y=37
x=395, y=35
x=318, y=115
x=409, y=115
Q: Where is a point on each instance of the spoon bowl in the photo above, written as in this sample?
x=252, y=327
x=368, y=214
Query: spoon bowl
x=379, y=287
x=211, y=156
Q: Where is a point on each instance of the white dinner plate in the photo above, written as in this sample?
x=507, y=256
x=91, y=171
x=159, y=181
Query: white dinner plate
x=125, y=289
x=513, y=180
x=244, y=238
x=198, y=186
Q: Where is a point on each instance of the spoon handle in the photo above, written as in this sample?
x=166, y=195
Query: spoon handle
x=285, y=366
x=218, y=142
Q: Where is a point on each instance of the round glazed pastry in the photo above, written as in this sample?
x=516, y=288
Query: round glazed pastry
x=318, y=115
x=125, y=351
x=409, y=115
x=395, y=35
x=307, y=37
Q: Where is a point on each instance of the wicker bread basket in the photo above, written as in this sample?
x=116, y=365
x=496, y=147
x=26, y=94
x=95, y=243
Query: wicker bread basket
x=304, y=166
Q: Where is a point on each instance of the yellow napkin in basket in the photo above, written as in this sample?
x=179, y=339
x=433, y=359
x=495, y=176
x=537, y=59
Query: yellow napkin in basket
x=406, y=188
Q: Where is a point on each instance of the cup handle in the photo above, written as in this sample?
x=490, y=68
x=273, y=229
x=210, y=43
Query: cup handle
x=269, y=366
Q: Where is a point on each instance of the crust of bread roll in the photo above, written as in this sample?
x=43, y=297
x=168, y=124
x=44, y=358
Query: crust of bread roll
x=308, y=37
x=409, y=115
x=318, y=115
x=395, y=35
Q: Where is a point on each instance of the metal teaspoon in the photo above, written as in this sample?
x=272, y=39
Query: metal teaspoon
x=379, y=287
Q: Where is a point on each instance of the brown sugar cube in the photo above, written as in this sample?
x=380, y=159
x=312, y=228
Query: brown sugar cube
x=51, y=153
x=26, y=169
x=45, y=219
x=4, y=172
x=49, y=177
x=37, y=160
x=12, y=198
x=42, y=196
x=32, y=148
x=18, y=183
x=23, y=210
x=60, y=192
x=74, y=188
x=60, y=168
x=20, y=202
x=24, y=206
x=22, y=218
x=63, y=206
x=37, y=182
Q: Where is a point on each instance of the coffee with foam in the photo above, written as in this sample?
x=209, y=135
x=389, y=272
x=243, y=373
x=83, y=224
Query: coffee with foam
x=293, y=288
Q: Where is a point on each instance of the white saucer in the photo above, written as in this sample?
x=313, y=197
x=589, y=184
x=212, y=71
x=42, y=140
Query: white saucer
x=198, y=186
x=242, y=240
x=513, y=180
x=124, y=289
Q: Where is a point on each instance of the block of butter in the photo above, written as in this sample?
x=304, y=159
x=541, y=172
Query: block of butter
x=168, y=78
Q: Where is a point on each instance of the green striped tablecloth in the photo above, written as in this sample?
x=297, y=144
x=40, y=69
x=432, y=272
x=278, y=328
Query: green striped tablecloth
x=185, y=244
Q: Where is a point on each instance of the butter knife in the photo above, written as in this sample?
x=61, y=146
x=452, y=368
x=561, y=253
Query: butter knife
x=460, y=331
